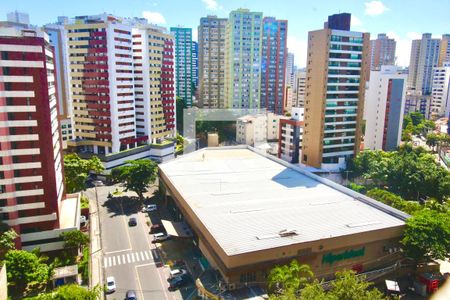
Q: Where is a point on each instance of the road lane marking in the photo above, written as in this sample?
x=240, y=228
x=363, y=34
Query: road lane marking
x=132, y=257
x=117, y=251
x=105, y=262
x=145, y=265
x=110, y=261
x=128, y=257
x=123, y=259
x=118, y=260
x=146, y=255
x=137, y=256
x=142, y=256
x=114, y=260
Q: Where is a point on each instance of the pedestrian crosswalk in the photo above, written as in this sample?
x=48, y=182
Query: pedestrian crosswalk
x=127, y=258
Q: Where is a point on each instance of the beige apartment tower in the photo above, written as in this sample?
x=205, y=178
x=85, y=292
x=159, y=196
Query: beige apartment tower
x=337, y=68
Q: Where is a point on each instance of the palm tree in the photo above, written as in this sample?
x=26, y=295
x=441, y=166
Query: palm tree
x=289, y=278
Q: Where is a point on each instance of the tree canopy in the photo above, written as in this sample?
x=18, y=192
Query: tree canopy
x=136, y=175
x=70, y=292
x=74, y=239
x=76, y=171
x=427, y=235
x=7, y=242
x=346, y=286
x=415, y=123
x=27, y=272
x=288, y=279
x=410, y=173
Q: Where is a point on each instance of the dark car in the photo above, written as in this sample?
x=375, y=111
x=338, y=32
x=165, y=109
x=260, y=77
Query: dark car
x=130, y=295
x=155, y=228
x=132, y=222
x=177, y=282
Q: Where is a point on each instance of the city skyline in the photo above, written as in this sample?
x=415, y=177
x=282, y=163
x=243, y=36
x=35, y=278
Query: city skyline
x=403, y=23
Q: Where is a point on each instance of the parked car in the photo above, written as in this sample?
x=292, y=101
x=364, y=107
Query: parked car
x=149, y=208
x=130, y=295
x=177, y=273
x=132, y=222
x=177, y=283
x=160, y=237
x=155, y=228
x=98, y=183
x=110, y=284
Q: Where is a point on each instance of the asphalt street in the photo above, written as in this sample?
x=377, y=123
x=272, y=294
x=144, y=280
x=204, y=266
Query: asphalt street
x=128, y=253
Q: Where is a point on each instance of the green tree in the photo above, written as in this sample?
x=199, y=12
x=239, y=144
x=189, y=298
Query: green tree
x=432, y=140
x=290, y=278
x=7, y=242
x=76, y=171
x=427, y=235
x=74, y=239
x=136, y=175
x=71, y=292
x=391, y=199
x=27, y=273
x=346, y=286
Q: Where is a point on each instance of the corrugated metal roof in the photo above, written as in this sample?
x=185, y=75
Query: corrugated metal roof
x=245, y=199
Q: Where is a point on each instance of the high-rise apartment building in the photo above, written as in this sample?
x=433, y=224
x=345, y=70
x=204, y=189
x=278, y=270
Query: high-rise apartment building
x=211, y=62
x=382, y=52
x=32, y=196
x=383, y=109
x=101, y=78
x=440, y=92
x=337, y=68
x=290, y=136
x=424, y=57
x=154, y=82
x=273, y=64
x=444, y=50
x=243, y=59
x=183, y=63
x=194, y=67
x=290, y=69
x=58, y=40
x=416, y=102
x=300, y=91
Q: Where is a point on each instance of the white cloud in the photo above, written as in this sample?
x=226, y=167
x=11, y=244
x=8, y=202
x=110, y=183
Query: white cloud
x=299, y=48
x=375, y=8
x=355, y=21
x=195, y=34
x=414, y=35
x=212, y=4
x=154, y=17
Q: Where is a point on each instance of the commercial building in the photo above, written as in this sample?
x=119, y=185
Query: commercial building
x=32, y=195
x=424, y=57
x=243, y=59
x=249, y=212
x=58, y=40
x=290, y=137
x=254, y=130
x=154, y=82
x=382, y=52
x=383, y=109
x=211, y=62
x=300, y=92
x=444, y=50
x=440, y=92
x=183, y=64
x=273, y=64
x=416, y=102
x=337, y=69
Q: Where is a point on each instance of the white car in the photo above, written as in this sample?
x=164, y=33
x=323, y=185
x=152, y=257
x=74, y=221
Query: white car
x=160, y=237
x=177, y=273
x=149, y=208
x=110, y=284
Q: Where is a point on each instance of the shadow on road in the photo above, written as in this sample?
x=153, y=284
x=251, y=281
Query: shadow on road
x=123, y=205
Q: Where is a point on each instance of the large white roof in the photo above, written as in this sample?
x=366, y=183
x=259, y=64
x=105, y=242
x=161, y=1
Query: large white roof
x=245, y=199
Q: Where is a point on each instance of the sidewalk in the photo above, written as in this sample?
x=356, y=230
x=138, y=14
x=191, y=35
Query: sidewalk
x=96, y=257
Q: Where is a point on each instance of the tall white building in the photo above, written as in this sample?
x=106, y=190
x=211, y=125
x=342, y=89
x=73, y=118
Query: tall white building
x=257, y=129
x=424, y=57
x=300, y=92
x=440, y=92
x=383, y=109
x=290, y=70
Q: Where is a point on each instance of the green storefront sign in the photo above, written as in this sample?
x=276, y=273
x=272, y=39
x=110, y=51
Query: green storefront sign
x=331, y=258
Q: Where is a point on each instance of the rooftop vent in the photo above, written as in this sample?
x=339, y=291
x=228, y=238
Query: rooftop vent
x=287, y=232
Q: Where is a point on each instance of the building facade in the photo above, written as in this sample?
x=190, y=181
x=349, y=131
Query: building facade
x=300, y=92
x=416, y=102
x=58, y=39
x=183, y=64
x=424, y=57
x=32, y=195
x=243, y=59
x=338, y=67
x=273, y=64
x=211, y=62
x=154, y=82
x=290, y=136
x=440, y=92
x=194, y=67
x=101, y=78
x=257, y=129
x=384, y=109
x=382, y=52
x=444, y=50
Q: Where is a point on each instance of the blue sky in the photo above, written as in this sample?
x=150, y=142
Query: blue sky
x=402, y=19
